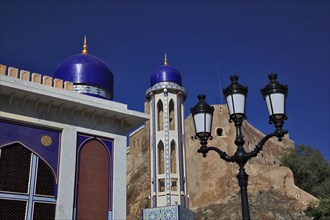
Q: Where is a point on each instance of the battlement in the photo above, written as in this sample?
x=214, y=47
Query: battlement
x=35, y=78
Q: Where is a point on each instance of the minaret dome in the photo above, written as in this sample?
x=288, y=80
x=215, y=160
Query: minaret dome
x=166, y=73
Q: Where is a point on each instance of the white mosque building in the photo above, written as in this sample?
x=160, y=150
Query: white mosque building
x=63, y=143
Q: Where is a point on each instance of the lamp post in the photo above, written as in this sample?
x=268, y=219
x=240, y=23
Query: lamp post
x=274, y=94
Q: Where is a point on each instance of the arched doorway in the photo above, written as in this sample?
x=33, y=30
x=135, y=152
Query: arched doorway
x=93, y=181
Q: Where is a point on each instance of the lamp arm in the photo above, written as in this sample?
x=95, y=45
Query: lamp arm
x=259, y=146
x=223, y=155
x=279, y=133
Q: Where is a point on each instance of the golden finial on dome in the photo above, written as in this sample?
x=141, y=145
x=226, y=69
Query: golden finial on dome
x=84, y=51
x=165, y=60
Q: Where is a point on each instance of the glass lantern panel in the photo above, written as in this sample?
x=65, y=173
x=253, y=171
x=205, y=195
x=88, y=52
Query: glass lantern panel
x=277, y=100
x=200, y=121
x=239, y=104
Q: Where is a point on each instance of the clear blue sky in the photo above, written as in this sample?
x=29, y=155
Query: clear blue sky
x=249, y=38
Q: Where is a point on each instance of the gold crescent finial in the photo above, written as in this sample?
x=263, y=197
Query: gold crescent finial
x=165, y=60
x=84, y=51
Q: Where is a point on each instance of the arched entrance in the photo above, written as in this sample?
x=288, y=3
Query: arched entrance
x=93, y=181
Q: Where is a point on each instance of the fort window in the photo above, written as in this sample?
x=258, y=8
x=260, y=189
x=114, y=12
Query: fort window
x=220, y=131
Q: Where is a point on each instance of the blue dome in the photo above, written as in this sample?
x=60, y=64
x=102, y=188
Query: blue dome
x=89, y=75
x=166, y=73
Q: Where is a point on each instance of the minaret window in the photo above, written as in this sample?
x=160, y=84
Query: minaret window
x=161, y=167
x=161, y=185
x=173, y=157
x=160, y=115
x=174, y=184
x=172, y=115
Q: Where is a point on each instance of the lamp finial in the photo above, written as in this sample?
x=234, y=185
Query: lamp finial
x=234, y=78
x=272, y=76
x=201, y=97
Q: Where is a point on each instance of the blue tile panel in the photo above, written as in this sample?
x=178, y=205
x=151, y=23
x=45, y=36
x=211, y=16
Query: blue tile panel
x=163, y=213
x=168, y=213
x=86, y=69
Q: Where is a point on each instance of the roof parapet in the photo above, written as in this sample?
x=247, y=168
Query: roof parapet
x=35, y=78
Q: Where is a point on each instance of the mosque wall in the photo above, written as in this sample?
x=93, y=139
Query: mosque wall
x=64, y=207
x=67, y=163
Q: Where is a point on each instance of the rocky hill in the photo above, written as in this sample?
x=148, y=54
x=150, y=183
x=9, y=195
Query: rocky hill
x=263, y=206
x=211, y=182
x=138, y=173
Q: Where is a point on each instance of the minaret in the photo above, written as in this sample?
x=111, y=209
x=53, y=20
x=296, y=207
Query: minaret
x=166, y=98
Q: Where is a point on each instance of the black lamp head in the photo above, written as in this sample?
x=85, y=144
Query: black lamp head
x=275, y=95
x=236, y=95
x=202, y=114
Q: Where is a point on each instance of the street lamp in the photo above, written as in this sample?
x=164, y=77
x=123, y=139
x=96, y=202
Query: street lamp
x=274, y=94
